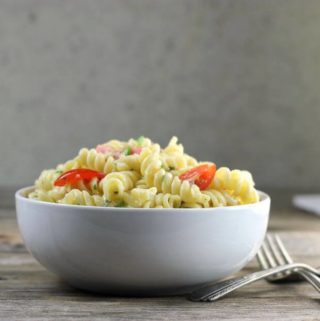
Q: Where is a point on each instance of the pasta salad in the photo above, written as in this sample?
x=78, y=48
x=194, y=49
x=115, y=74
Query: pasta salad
x=139, y=173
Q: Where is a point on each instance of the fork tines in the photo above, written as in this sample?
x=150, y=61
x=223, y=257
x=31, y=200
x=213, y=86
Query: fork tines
x=273, y=253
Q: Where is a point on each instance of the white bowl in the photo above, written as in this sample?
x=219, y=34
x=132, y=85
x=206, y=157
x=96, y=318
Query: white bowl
x=141, y=251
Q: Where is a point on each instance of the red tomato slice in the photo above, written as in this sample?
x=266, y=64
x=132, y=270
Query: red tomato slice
x=74, y=176
x=201, y=175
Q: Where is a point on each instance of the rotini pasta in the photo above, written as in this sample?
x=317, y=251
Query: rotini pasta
x=94, y=160
x=174, y=147
x=52, y=196
x=139, y=173
x=174, y=161
x=127, y=163
x=46, y=179
x=238, y=183
x=166, y=201
x=168, y=183
x=220, y=198
x=71, y=164
x=115, y=184
x=77, y=197
x=93, y=186
x=140, y=197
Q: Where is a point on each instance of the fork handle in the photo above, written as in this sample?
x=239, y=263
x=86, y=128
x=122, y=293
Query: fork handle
x=220, y=289
x=312, y=278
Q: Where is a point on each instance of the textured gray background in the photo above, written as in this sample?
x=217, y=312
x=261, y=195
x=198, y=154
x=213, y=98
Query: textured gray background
x=237, y=81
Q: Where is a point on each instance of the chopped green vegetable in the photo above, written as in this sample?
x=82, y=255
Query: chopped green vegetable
x=140, y=140
x=59, y=171
x=94, y=186
x=127, y=151
x=121, y=204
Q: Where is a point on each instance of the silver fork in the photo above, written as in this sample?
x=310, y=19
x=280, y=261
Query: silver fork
x=273, y=253
x=213, y=292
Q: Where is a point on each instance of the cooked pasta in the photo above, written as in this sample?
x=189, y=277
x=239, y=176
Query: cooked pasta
x=71, y=164
x=139, y=173
x=238, y=183
x=220, y=198
x=174, y=161
x=168, y=183
x=140, y=197
x=94, y=160
x=115, y=184
x=77, y=197
x=127, y=163
x=174, y=147
x=148, y=197
x=141, y=183
x=166, y=201
x=93, y=186
x=46, y=179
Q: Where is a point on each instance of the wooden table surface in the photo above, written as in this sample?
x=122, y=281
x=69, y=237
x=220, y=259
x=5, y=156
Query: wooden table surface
x=29, y=292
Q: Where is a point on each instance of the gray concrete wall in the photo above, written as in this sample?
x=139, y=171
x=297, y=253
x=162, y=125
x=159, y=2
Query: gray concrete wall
x=237, y=81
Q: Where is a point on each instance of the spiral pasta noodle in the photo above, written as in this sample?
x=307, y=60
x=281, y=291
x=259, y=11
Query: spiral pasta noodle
x=220, y=198
x=46, y=179
x=239, y=183
x=115, y=184
x=127, y=163
x=148, y=198
x=77, y=197
x=140, y=197
x=70, y=164
x=52, y=196
x=139, y=173
x=95, y=160
x=166, y=200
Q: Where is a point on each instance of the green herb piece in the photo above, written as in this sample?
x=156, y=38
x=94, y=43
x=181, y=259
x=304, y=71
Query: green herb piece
x=59, y=171
x=94, y=186
x=140, y=140
x=127, y=151
x=121, y=204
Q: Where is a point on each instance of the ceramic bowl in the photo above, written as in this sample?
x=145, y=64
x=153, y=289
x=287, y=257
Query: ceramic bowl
x=129, y=251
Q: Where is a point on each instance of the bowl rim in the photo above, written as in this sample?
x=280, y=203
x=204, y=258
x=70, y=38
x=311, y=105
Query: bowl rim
x=19, y=196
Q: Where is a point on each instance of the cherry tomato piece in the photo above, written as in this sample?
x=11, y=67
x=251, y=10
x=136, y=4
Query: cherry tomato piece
x=201, y=175
x=74, y=176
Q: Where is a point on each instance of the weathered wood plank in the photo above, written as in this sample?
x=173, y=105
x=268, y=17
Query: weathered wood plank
x=244, y=305
x=37, y=294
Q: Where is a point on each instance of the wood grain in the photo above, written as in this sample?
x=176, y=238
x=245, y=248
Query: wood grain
x=29, y=292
